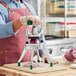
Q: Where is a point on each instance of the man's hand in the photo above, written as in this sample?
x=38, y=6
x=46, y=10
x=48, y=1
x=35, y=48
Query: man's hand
x=35, y=19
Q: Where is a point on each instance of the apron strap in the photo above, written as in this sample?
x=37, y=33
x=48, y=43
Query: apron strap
x=4, y=4
x=26, y=6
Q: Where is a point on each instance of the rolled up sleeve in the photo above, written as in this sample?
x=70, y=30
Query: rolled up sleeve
x=6, y=29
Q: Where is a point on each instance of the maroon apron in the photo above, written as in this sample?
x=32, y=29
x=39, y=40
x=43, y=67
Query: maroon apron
x=12, y=47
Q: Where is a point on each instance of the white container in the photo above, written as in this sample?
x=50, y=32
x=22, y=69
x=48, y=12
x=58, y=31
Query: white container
x=53, y=28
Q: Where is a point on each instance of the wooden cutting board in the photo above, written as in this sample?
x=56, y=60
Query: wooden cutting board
x=39, y=68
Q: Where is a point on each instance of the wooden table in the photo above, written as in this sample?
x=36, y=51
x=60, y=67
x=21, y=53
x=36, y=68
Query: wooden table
x=14, y=72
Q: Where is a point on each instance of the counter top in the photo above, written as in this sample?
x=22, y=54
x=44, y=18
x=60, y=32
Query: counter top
x=13, y=72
